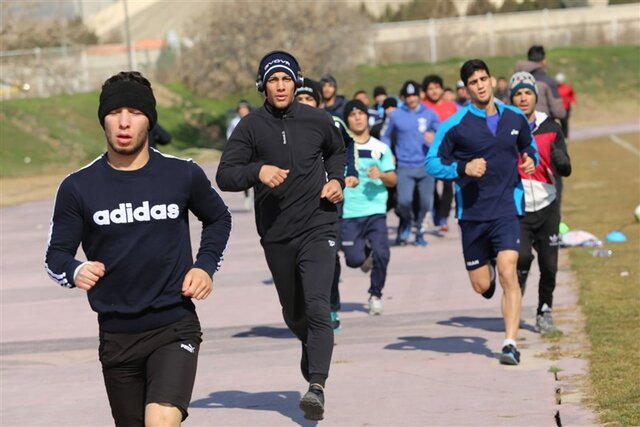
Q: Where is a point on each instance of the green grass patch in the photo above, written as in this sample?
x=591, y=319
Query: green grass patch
x=600, y=197
x=62, y=132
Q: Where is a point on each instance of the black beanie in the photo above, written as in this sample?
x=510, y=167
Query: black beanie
x=354, y=104
x=379, y=90
x=310, y=87
x=130, y=94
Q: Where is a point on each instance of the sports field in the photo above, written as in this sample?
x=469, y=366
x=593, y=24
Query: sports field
x=600, y=197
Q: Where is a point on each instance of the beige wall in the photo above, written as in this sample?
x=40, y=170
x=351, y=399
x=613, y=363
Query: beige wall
x=504, y=34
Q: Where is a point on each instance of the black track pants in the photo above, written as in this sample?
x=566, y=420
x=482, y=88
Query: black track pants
x=539, y=231
x=302, y=270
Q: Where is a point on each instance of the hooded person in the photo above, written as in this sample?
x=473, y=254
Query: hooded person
x=549, y=100
x=331, y=101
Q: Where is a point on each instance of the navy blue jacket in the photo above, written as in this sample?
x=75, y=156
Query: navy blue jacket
x=466, y=136
x=137, y=224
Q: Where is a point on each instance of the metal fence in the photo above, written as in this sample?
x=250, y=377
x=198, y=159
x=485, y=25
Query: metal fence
x=45, y=72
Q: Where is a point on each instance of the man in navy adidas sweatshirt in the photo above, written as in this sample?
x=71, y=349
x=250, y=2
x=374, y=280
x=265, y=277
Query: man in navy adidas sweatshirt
x=479, y=147
x=129, y=210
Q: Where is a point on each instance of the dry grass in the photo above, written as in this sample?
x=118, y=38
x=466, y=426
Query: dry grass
x=600, y=197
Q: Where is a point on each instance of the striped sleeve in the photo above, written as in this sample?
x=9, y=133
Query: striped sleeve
x=65, y=234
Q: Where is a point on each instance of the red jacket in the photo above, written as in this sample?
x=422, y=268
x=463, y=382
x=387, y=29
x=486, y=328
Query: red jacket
x=567, y=94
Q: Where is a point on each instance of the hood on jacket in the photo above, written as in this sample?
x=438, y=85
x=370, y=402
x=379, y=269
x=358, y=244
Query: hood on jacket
x=528, y=66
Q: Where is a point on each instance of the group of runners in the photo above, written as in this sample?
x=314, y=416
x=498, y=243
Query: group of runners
x=321, y=184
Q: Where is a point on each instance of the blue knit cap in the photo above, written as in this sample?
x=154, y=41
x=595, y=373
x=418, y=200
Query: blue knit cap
x=278, y=61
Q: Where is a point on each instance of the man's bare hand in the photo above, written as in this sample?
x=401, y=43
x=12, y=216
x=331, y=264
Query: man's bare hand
x=476, y=167
x=89, y=274
x=197, y=284
x=351, y=181
x=272, y=176
x=332, y=191
x=528, y=166
x=428, y=137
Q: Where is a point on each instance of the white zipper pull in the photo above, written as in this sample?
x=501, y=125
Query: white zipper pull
x=284, y=138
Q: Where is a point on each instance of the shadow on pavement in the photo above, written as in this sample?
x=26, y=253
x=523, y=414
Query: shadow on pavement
x=491, y=324
x=284, y=402
x=348, y=307
x=265, y=331
x=475, y=345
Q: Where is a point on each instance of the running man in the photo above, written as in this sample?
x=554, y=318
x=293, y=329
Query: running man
x=479, y=148
x=541, y=221
x=364, y=232
x=129, y=209
x=293, y=156
x=414, y=126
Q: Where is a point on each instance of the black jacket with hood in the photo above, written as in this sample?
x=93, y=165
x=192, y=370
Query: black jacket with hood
x=303, y=140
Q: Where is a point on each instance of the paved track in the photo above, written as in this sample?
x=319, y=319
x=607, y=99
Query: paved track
x=428, y=361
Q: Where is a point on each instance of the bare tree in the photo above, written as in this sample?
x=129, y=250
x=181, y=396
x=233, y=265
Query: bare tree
x=230, y=39
x=24, y=25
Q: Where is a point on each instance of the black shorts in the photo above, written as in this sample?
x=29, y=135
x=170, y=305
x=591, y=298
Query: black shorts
x=482, y=240
x=157, y=366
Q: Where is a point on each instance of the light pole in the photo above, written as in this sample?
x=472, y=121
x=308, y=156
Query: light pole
x=128, y=35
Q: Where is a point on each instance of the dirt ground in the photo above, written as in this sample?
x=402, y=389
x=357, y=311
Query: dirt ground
x=22, y=189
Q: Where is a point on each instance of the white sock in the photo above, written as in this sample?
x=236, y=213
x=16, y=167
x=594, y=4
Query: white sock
x=545, y=308
x=508, y=341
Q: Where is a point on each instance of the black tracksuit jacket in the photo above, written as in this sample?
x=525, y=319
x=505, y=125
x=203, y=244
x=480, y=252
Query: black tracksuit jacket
x=299, y=138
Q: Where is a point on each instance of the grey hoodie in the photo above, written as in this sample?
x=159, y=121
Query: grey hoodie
x=549, y=100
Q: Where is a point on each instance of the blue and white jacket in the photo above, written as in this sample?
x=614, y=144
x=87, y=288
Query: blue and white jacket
x=466, y=136
x=409, y=127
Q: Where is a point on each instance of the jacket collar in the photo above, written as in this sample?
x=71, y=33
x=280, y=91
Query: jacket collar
x=417, y=110
x=540, y=117
x=481, y=112
x=278, y=113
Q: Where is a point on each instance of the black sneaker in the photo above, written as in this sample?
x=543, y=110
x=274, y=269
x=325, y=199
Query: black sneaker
x=492, y=284
x=304, y=363
x=510, y=355
x=312, y=403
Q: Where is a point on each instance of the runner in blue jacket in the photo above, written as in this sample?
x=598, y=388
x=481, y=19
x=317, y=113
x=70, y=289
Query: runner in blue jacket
x=479, y=147
x=414, y=126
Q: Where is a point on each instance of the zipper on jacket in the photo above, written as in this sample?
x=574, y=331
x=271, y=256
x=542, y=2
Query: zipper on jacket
x=284, y=142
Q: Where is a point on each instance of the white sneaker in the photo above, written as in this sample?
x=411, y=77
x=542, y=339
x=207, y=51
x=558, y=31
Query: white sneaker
x=375, y=306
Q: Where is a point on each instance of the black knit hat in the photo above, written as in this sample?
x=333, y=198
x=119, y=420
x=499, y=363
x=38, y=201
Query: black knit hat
x=379, y=90
x=354, y=104
x=119, y=94
x=310, y=87
x=278, y=61
x=389, y=101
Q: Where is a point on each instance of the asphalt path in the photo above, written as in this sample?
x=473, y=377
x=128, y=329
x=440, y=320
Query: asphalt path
x=429, y=360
